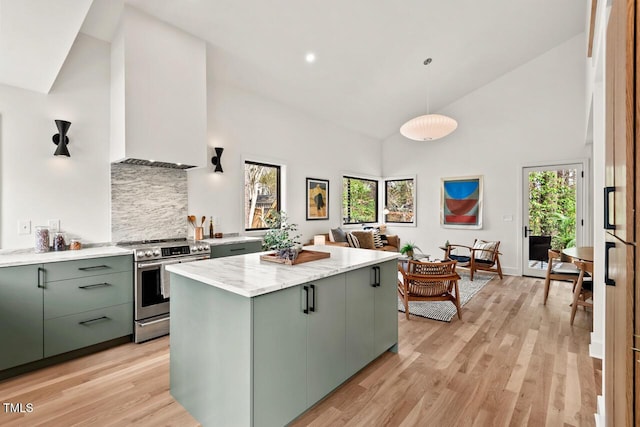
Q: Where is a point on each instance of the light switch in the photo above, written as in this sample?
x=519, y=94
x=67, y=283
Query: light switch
x=54, y=225
x=507, y=218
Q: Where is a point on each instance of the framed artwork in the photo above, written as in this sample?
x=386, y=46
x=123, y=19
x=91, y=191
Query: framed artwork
x=317, y=198
x=461, y=202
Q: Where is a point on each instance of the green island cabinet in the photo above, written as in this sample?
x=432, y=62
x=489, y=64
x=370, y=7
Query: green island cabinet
x=52, y=308
x=263, y=361
x=218, y=251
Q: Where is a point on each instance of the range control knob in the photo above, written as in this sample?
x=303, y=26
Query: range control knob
x=156, y=252
x=194, y=248
x=203, y=248
x=140, y=254
x=148, y=253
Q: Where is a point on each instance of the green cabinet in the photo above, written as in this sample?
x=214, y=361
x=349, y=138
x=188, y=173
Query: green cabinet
x=20, y=315
x=52, y=308
x=280, y=356
x=372, y=318
x=298, y=357
x=263, y=361
x=218, y=251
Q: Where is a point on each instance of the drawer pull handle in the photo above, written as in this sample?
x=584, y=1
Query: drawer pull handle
x=41, y=277
x=236, y=249
x=94, y=267
x=97, y=285
x=85, y=322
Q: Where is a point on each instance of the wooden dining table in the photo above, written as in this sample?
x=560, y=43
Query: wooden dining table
x=580, y=253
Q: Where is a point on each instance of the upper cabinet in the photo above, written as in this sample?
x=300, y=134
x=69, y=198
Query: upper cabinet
x=158, y=92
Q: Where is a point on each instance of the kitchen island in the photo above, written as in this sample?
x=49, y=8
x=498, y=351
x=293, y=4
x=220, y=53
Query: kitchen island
x=254, y=343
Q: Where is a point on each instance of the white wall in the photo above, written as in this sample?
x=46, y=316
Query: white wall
x=533, y=114
x=35, y=184
x=250, y=126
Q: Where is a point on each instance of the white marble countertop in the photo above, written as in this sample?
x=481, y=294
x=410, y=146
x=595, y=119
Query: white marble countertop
x=23, y=257
x=230, y=240
x=249, y=276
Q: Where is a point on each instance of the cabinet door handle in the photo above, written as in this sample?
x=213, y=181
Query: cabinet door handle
x=97, y=285
x=86, y=322
x=607, y=192
x=306, y=300
x=376, y=277
x=94, y=267
x=607, y=280
x=41, y=277
x=313, y=299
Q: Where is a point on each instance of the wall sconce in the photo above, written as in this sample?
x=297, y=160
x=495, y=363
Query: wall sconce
x=216, y=159
x=61, y=139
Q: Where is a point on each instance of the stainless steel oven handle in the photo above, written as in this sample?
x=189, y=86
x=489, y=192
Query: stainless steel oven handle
x=171, y=261
x=164, y=319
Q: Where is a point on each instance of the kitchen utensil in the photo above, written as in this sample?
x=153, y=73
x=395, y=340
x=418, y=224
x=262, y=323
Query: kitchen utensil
x=192, y=220
x=202, y=220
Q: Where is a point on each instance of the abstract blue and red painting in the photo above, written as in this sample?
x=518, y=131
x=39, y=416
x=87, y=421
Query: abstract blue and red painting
x=462, y=202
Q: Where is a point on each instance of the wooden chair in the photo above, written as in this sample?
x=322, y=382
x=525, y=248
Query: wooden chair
x=583, y=288
x=559, y=268
x=429, y=281
x=483, y=255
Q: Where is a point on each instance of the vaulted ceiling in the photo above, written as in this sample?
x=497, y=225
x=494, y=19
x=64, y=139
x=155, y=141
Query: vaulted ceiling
x=368, y=75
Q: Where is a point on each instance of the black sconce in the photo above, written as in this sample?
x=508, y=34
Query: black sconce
x=61, y=139
x=216, y=159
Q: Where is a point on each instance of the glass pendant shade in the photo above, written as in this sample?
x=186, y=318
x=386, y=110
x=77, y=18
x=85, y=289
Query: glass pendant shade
x=428, y=127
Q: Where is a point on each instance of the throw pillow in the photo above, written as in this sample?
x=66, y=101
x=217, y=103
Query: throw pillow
x=377, y=238
x=337, y=235
x=353, y=241
x=365, y=238
x=488, y=248
x=384, y=239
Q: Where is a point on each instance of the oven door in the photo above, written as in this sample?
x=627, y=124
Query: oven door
x=152, y=286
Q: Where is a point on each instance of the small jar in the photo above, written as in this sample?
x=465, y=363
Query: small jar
x=75, y=245
x=59, y=242
x=42, y=239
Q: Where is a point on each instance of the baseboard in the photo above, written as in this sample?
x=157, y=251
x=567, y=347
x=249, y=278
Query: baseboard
x=596, y=348
x=601, y=421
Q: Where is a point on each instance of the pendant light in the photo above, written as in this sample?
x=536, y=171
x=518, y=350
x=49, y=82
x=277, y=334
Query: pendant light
x=430, y=126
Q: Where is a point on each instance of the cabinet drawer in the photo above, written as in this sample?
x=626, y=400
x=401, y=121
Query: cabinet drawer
x=65, y=297
x=68, y=333
x=87, y=267
x=235, y=249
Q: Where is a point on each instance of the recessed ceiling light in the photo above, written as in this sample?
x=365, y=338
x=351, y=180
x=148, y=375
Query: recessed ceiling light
x=310, y=57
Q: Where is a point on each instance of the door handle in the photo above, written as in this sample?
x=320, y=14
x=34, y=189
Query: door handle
x=41, y=277
x=526, y=231
x=607, y=192
x=313, y=298
x=97, y=285
x=306, y=299
x=607, y=280
x=94, y=267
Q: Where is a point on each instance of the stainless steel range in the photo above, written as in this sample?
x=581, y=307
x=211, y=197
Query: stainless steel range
x=152, y=284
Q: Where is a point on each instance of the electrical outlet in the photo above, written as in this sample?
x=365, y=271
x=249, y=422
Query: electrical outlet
x=24, y=226
x=54, y=225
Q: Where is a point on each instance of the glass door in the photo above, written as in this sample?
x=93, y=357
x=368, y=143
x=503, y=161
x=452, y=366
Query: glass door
x=552, y=212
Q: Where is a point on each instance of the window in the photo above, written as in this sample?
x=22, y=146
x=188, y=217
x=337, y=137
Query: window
x=359, y=200
x=261, y=193
x=399, y=200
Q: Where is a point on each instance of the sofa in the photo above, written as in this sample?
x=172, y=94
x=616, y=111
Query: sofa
x=392, y=245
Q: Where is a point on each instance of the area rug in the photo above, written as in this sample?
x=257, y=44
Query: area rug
x=446, y=310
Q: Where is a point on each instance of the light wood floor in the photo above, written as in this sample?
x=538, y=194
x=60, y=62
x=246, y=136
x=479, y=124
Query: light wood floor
x=511, y=361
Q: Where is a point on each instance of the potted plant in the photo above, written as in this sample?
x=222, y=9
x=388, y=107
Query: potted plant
x=409, y=249
x=281, y=236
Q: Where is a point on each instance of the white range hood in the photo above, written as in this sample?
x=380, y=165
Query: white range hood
x=158, y=94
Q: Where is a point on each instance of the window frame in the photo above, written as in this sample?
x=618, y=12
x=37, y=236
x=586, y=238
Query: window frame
x=377, y=180
x=415, y=200
x=279, y=188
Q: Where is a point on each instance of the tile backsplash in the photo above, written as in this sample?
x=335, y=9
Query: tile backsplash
x=147, y=202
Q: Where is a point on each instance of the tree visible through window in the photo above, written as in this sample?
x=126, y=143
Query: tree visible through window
x=400, y=200
x=261, y=194
x=359, y=200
